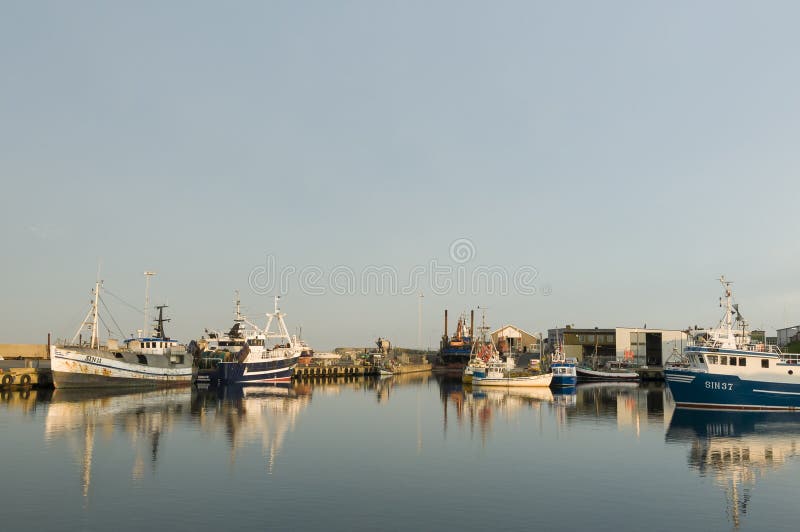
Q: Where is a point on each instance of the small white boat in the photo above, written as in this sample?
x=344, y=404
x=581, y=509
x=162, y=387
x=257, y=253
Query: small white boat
x=610, y=372
x=501, y=373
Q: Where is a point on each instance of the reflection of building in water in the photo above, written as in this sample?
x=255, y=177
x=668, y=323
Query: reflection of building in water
x=77, y=415
x=737, y=448
x=632, y=405
x=252, y=413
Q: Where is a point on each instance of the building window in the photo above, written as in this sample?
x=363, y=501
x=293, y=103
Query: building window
x=742, y=361
x=764, y=362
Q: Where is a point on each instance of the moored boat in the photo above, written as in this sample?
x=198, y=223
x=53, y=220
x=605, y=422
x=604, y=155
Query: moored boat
x=564, y=369
x=257, y=361
x=502, y=373
x=726, y=370
x=610, y=372
x=455, y=350
x=148, y=361
x=483, y=351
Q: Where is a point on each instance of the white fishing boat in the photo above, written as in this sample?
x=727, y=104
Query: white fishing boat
x=502, y=373
x=148, y=361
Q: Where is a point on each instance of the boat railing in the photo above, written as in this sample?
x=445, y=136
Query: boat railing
x=764, y=348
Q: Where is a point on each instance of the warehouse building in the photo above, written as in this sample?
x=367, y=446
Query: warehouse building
x=639, y=346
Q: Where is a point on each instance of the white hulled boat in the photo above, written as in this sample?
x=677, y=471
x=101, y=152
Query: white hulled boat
x=501, y=372
x=149, y=361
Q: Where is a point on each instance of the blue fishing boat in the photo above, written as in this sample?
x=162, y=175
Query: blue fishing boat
x=726, y=370
x=259, y=360
x=563, y=368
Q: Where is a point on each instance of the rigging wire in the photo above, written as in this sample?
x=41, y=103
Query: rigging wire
x=115, y=296
x=122, y=334
x=108, y=330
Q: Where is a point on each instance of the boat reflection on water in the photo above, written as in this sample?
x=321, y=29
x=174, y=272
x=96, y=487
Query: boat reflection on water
x=250, y=414
x=385, y=384
x=736, y=448
x=144, y=417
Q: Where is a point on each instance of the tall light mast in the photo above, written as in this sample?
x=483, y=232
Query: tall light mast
x=147, y=276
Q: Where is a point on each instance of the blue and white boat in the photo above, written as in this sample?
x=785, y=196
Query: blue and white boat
x=564, y=369
x=727, y=371
x=259, y=362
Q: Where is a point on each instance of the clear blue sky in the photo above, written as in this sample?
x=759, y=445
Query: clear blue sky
x=630, y=152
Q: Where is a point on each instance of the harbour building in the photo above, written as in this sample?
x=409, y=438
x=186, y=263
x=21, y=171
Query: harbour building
x=515, y=340
x=788, y=335
x=638, y=346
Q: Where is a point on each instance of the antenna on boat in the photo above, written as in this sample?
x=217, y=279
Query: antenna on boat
x=728, y=307
x=147, y=276
x=239, y=316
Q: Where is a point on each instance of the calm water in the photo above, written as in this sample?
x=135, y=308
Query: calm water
x=417, y=452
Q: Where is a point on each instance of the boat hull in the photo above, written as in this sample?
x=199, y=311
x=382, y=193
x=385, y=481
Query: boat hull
x=83, y=368
x=529, y=381
x=279, y=370
x=564, y=380
x=564, y=374
x=592, y=375
x=692, y=389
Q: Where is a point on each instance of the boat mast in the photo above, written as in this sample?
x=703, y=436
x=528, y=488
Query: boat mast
x=728, y=319
x=95, y=337
x=147, y=276
x=239, y=317
x=283, y=332
x=92, y=314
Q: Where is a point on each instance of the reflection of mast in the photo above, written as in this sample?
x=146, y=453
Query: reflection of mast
x=88, y=449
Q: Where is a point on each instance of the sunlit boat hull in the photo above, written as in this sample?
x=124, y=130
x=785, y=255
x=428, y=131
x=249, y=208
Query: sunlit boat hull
x=692, y=389
x=279, y=370
x=589, y=375
x=528, y=381
x=93, y=368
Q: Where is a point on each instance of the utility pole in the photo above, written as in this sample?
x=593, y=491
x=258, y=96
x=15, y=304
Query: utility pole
x=419, y=322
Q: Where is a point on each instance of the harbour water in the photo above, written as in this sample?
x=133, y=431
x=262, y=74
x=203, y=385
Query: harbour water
x=410, y=452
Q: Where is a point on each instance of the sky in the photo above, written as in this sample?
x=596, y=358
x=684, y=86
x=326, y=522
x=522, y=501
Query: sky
x=588, y=163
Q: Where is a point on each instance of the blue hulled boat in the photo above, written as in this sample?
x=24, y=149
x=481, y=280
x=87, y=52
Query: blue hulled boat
x=727, y=371
x=260, y=360
x=564, y=369
x=455, y=351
